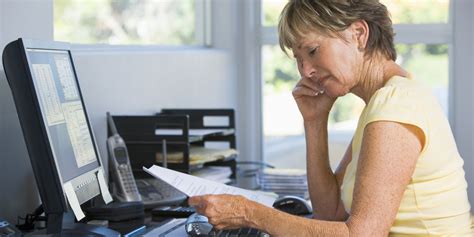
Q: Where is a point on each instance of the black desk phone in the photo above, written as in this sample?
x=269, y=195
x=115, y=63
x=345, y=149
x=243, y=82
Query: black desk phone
x=152, y=192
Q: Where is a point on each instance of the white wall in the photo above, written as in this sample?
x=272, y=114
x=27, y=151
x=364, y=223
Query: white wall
x=1, y=25
x=140, y=81
x=18, y=193
x=26, y=18
x=143, y=82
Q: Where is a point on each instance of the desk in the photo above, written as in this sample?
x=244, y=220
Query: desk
x=176, y=228
x=171, y=228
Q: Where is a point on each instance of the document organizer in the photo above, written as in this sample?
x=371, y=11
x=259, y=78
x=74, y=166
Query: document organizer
x=181, y=130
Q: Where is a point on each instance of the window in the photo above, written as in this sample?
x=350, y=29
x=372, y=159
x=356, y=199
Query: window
x=430, y=65
x=271, y=11
x=126, y=22
x=418, y=11
x=422, y=45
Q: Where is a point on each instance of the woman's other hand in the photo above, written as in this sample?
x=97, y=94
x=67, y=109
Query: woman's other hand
x=223, y=211
x=312, y=102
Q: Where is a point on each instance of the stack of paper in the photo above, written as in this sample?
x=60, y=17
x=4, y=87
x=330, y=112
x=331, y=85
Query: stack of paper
x=219, y=174
x=199, y=155
x=284, y=182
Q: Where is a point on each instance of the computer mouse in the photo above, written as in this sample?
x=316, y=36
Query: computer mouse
x=293, y=205
x=198, y=225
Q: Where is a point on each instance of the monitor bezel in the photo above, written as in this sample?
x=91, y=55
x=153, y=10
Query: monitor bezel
x=43, y=161
x=34, y=127
x=60, y=47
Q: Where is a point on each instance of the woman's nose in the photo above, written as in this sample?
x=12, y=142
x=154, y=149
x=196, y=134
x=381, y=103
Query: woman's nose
x=307, y=70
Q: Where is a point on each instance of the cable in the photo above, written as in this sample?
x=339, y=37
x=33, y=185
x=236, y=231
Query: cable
x=256, y=163
x=30, y=219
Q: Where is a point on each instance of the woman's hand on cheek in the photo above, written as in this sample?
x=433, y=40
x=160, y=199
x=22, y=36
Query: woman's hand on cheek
x=312, y=101
x=223, y=211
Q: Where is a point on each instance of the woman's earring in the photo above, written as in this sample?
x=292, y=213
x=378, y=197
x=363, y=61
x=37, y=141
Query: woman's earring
x=360, y=48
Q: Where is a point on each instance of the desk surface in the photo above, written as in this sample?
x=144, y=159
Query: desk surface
x=171, y=228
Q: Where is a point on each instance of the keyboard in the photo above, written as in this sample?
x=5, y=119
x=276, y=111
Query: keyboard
x=242, y=232
x=177, y=227
x=155, y=192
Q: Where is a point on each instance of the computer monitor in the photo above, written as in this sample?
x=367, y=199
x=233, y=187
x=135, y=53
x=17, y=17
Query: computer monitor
x=55, y=125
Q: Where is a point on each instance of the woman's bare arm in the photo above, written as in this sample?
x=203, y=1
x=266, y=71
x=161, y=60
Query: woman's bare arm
x=387, y=161
x=324, y=184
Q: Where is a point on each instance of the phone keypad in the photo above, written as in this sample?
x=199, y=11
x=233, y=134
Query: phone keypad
x=128, y=180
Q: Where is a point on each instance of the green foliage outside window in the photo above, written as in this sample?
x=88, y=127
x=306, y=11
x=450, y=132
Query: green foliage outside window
x=168, y=22
x=418, y=11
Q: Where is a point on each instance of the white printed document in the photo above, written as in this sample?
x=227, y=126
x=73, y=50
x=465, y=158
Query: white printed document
x=195, y=186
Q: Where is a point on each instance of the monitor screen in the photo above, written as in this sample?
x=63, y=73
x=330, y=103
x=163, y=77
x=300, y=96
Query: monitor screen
x=63, y=112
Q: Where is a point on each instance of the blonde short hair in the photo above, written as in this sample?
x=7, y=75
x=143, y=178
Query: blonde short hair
x=329, y=17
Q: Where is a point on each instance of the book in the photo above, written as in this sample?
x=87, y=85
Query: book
x=198, y=155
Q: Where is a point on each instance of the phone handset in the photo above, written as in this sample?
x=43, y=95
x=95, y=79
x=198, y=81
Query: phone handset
x=119, y=163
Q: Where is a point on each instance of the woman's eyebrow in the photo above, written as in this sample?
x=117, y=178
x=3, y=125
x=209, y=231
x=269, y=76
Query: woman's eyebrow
x=307, y=45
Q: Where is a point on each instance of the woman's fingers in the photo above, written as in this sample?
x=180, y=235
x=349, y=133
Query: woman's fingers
x=305, y=91
x=308, y=87
x=225, y=227
x=309, y=83
x=223, y=211
x=195, y=200
x=199, y=203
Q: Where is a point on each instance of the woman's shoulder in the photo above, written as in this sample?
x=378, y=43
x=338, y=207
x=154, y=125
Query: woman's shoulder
x=402, y=100
x=401, y=90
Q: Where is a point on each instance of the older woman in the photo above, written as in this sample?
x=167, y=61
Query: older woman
x=402, y=173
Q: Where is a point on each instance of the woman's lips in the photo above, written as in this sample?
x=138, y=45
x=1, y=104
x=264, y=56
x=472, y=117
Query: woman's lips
x=322, y=80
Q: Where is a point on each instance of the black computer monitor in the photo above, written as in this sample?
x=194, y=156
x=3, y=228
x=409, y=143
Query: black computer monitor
x=55, y=125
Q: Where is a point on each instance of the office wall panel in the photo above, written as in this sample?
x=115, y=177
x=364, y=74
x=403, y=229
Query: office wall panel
x=143, y=82
x=18, y=190
x=1, y=27
x=18, y=193
x=27, y=19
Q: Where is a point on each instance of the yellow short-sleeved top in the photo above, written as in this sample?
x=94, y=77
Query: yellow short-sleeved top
x=435, y=201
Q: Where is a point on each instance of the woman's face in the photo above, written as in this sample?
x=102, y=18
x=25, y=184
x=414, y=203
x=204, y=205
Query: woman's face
x=331, y=62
